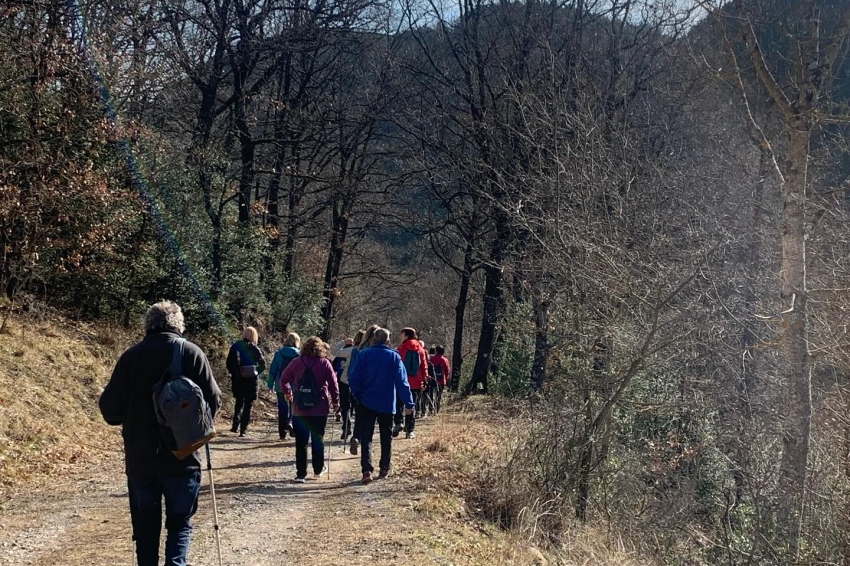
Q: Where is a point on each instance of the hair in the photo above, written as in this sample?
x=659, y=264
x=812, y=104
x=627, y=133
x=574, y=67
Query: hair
x=440, y=350
x=292, y=339
x=251, y=335
x=410, y=333
x=314, y=347
x=382, y=336
x=369, y=336
x=164, y=315
x=358, y=338
x=433, y=350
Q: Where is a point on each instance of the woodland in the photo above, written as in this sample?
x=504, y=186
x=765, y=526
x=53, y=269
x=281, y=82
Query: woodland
x=628, y=216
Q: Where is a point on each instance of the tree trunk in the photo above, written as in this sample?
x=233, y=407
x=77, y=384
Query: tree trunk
x=541, y=338
x=341, y=216
x=796, y=371
x=489, y=322
x=460, y=312
x=295, y=188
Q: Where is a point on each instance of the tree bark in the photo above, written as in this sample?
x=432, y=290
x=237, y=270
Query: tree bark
x=460, y=312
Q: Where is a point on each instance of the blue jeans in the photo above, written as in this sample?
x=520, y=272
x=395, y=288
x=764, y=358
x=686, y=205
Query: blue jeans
x=283, y=418
x=181, y=502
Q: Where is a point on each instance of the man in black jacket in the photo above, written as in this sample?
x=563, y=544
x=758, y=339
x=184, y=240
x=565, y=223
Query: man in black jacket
x=153, y=472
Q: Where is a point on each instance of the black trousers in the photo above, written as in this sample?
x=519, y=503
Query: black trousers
x=345, y=406
x=242, y=413
x=312, y=430
x=408, y=420
x=366, y=419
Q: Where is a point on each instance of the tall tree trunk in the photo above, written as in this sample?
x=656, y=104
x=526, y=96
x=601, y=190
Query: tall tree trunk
x=489, y=322
x=460, y=312
x=295, y=188
x=341, y=217
x=540, y=304
x=796, y=370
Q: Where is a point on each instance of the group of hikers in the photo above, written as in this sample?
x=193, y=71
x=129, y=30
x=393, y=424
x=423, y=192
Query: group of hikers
x=361, y=381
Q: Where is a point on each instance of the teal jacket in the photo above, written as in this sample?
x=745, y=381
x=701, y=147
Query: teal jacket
x=281, y=359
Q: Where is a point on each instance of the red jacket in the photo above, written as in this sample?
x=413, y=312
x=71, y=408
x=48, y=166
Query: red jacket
x=442, y=363
x=416, y=381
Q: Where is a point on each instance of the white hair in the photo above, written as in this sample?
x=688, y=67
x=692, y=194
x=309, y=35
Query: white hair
x=382, y=336
x=164, y=315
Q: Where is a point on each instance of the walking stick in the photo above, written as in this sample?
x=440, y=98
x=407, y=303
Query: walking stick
x=330, y=447
x=215, y=507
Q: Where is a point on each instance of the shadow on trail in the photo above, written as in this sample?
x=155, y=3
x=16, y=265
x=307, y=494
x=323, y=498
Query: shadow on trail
x=268, y=464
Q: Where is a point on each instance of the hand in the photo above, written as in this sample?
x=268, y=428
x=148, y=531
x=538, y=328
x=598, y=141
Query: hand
x=288, y=397
x=408, y=411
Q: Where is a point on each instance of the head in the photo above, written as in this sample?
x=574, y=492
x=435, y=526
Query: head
x=250, y=335
x=382, y=336
x=369, y=337
x=441, y=350
x=409, y=334
x=358, y=338
x=422, y=343
x=292, y=340
x=164, y=316
x=314, y=347
x=432, y=351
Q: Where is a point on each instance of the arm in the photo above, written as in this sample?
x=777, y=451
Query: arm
x=402, y=387
x=115, y=398
x=354, y=377
x=260, y=362
x=337, y=348
x=287, y=378
x=206, y=381
x=274, y=370
x=333, y=386
x=232, y=362
x=423, y=366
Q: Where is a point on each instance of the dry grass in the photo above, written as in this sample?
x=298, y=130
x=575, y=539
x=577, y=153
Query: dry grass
x=51, y=374
x=455, y=470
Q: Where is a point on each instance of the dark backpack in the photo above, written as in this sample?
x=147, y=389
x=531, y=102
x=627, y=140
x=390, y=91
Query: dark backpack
x=246, y=371
x=438, y=372
x=307, y=392
x=184, y=416
x=411, y=363
x=339, y=365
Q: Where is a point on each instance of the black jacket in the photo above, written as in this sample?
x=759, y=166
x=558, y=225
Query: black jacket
x=128, y=400
x=250, y=355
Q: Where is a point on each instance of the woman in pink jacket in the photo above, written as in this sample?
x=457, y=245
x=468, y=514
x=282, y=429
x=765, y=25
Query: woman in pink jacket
x=309, y=381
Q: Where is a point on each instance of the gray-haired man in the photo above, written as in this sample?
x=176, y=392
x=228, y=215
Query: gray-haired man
x=153, y=472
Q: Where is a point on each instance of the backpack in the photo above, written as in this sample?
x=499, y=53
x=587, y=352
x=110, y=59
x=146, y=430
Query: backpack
x=411, y=363
x=438, y=373
x=339, y=366
x=246, y=371
x=307, y=393
x=184, y=416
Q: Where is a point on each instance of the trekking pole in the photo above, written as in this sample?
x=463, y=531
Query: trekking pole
x=215, y=507
x=330, y=447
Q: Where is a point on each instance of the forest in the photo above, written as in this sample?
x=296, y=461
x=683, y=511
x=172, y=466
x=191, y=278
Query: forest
x=629, y=217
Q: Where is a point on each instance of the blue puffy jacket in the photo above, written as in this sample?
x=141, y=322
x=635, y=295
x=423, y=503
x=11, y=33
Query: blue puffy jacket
x=282, y=358
x=377, y=377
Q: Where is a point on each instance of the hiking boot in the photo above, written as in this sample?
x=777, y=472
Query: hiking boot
x=234, y=429
x=242, y=434
x=322, y=473
x=384, y=473
x=410, y=434
x=343, y=437
x=397, y=430
x=299, y=479
x=353, y=446
x=367, y=478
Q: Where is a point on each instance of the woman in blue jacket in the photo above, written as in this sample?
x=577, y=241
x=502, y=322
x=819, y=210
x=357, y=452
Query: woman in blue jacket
x=283, y=358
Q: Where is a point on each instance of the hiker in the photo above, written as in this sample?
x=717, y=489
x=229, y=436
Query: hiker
x=416, y=364
x=442, y=371
x=375, y=381
x=427, y=405
x=153, y=472
x=245, y=363
x=282, y=358
x=310, y=384
x=365, y=342
x=341, y=354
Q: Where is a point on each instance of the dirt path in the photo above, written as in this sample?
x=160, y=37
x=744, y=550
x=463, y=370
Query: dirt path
x=265, y=518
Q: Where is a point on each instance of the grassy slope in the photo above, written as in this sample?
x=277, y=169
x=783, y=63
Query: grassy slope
x=51, y=375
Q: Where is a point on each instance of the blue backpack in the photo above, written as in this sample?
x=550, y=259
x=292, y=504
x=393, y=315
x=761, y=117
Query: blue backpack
x=184, y=416
x=411, y=363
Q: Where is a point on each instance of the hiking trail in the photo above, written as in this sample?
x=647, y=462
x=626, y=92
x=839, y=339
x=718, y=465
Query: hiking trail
x=265, y=518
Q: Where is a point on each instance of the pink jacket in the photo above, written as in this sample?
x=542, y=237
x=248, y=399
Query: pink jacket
x=323, y=373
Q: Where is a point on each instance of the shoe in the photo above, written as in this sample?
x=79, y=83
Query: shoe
x=233, y=429
x=343, y=437
x=322, y=473
x=367, y=478
x=384, y=473
x=300, y=480
x=242, y=434
x=353, y=446
x=410, y=435
x=397, y=430
x=338, y=417
x=290, y=430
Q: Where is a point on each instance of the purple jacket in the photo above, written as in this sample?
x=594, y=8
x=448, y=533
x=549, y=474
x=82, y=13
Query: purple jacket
x=325, y=377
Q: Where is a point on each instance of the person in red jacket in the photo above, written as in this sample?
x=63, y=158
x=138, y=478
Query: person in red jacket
x=415, y=362
x=442, y=371
x=309, y=383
